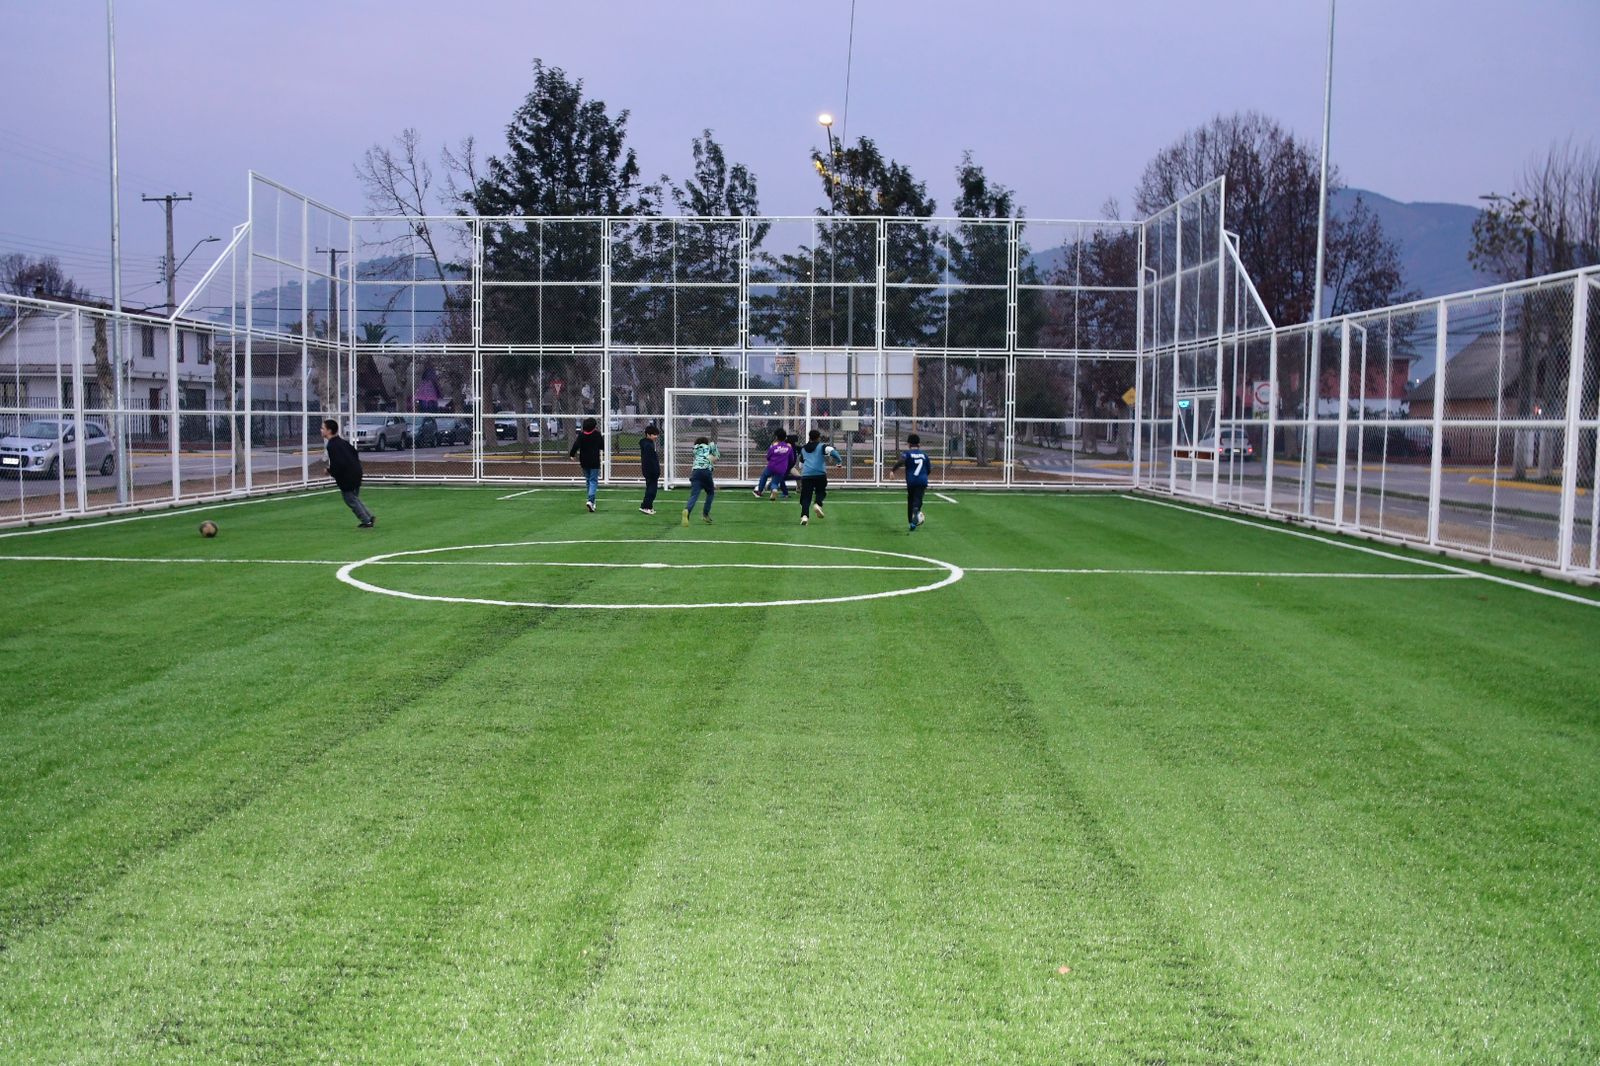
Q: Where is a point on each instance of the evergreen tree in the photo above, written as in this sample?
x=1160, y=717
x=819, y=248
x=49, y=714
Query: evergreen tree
x=565, y=156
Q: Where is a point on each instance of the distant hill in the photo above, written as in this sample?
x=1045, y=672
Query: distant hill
x=1434, y=240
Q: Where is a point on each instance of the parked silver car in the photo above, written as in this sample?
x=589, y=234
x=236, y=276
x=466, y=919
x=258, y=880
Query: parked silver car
x=41, y=447
x=382, y=431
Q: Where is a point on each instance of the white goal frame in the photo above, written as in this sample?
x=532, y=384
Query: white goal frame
x=669, y=433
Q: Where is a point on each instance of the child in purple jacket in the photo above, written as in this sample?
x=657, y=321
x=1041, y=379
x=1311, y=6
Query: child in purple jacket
x=780, y=456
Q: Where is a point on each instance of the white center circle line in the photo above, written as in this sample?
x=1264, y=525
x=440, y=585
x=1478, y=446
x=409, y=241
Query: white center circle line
x=952, y=573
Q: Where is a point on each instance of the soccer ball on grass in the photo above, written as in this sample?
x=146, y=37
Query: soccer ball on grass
x=208, y=528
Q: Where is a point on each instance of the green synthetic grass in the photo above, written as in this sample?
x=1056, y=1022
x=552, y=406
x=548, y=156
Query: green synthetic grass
x=248, y=813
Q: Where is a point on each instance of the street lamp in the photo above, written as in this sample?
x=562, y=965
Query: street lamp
x=825, y=120
x=185, y=259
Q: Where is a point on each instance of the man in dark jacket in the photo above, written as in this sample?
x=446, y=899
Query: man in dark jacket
x=587, y=448
x=650, y=467
x=344, y=466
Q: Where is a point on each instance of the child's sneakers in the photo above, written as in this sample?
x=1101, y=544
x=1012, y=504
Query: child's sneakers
x=756, y=493
x=647, y=510
x=589, y=504
x=804, y=520
x=706, y=519
x=685, y=517
x=817, y=507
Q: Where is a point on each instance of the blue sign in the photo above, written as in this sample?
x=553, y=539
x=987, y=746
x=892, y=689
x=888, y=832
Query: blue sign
x=1183, y=405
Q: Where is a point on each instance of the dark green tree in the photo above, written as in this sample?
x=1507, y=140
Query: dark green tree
x=835, y=306
x=977, y=253
x=565, y=156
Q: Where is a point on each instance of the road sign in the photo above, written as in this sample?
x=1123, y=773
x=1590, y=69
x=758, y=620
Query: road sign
x=1129, y=397
x=1262, y=393
x=1183, y=405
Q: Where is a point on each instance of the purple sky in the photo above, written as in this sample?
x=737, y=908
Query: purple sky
x=1062, y=101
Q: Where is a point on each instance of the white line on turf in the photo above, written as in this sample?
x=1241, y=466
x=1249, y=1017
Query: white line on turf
x=947, y=499
x=154, y=559
x=1460, y=570
x=1209, y=573
x=737, y=566
x=655, y=566
x=166, y=513
x=514, y=495
x=347, y=575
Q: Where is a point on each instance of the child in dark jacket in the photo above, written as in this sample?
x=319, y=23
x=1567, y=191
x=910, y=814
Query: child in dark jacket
x=587, y=448
x=650, y=466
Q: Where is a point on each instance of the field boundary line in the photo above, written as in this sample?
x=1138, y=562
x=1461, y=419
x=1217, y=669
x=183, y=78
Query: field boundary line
x=514, y=495
x=166, y=512
x=1272, y=528
x=947, y=499
x=155, y=559
x=1211, y=573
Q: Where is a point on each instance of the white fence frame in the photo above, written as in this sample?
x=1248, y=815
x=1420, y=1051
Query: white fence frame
x=1181, y=338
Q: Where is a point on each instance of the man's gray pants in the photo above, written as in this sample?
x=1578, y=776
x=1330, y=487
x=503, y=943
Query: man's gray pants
x=353, y=501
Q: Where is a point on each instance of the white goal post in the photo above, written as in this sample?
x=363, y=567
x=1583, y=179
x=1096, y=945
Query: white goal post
x=740, y=421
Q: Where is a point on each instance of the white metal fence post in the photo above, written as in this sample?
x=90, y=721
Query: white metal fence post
x=1340, y=463
x=1436, y=467
x=1272, y=416
x=1574, y=403
x=174, y=339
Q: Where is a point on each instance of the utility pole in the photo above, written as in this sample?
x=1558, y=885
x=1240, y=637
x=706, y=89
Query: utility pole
x=333, y=304
x=172, y=261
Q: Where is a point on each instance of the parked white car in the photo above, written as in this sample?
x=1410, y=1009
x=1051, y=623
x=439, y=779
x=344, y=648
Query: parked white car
x=40, y=448
x=1234, y=442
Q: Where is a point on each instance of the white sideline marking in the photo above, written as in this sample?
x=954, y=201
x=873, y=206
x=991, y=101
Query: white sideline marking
x=136, y=559
x=1208, y=573
x=735, y=566
x=947, y=499
x=1458, y=570
x=346, y=574
x=168, y=512
x=514, y=495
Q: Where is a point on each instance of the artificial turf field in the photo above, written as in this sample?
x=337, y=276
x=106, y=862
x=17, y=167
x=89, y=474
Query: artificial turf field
x=251, y=813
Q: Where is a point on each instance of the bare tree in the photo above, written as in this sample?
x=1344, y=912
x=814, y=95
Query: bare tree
x=24, y=275
x=1549, y=223
x=398, y=180
x=1272, y=192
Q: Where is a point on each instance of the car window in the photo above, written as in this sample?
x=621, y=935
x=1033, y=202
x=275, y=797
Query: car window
x=93, y=431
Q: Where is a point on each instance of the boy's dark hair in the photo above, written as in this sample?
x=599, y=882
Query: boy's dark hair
x=652, y=430
x=779, y=435
x=816, y=434
x=332, y=425
x=589, y=423
x=702, y=440
x=913, y=440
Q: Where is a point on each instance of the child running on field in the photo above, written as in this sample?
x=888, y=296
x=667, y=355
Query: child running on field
x=705, y=453
x=915, y=460
x=586, y=448
x=814, y=456
x=780, y=457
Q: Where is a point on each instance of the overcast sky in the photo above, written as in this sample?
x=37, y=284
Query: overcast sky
x=1064, y=101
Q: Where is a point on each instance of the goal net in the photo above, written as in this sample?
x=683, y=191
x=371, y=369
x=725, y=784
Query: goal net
x=741, y=422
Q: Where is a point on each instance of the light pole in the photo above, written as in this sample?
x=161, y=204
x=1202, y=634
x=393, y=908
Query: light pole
x=830, y=173
x=1308, y=467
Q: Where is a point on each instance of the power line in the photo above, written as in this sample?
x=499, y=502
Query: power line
x=849, y=58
